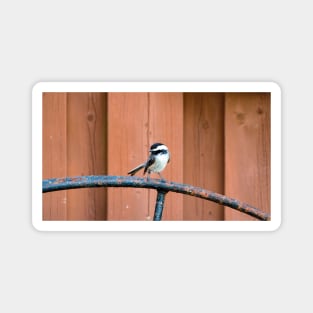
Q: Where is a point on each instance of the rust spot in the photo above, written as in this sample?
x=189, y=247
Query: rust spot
x=59, y=180
x=76, y=179
x=119, y=180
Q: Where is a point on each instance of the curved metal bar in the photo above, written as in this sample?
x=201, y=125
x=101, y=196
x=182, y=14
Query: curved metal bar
x=55, y=184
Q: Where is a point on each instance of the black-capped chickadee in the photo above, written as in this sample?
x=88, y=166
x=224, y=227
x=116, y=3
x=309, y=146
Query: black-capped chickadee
x=158, y=159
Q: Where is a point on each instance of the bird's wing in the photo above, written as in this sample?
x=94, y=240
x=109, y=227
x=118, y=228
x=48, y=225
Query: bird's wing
x=150, y=161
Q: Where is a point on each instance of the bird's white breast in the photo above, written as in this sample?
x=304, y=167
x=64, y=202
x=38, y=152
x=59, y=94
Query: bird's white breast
x=160, y=163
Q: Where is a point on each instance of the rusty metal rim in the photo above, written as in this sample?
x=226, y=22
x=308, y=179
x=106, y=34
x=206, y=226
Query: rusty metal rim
x=56, y=184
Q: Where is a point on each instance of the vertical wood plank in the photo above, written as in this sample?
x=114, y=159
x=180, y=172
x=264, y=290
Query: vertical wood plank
x=86, y=152
x=127, y=148
x=247, y=151
x=166, y=126
x=54, y=153
x=204, y=152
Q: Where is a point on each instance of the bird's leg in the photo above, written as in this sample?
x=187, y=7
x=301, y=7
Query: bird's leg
x=162, y=178
x=148, y=176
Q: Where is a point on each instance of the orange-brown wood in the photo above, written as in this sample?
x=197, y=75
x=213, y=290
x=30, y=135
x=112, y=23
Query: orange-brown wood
x=137, y=120
x=86, y=153
x=127, y=147
x=54, y=153
x=203, y=152
x=247, y=158
x=85, y=135
x=166, y=126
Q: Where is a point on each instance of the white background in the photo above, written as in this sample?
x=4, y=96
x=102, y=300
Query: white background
x=155, y=41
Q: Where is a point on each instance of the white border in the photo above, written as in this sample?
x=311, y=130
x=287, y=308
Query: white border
x=271, y=87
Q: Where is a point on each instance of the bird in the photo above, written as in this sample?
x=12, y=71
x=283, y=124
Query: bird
x=158, y=158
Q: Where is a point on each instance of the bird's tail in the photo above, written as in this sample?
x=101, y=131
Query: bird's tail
x=136, y=169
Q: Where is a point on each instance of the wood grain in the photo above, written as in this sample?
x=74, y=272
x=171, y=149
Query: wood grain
x=217, y=141
x=54, y=158
x=86, y=153
x=166, y=126
x=127, y=147
x=204, y=152
x=247, y=158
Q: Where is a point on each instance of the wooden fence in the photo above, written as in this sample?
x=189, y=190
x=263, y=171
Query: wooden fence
x=218, y=141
